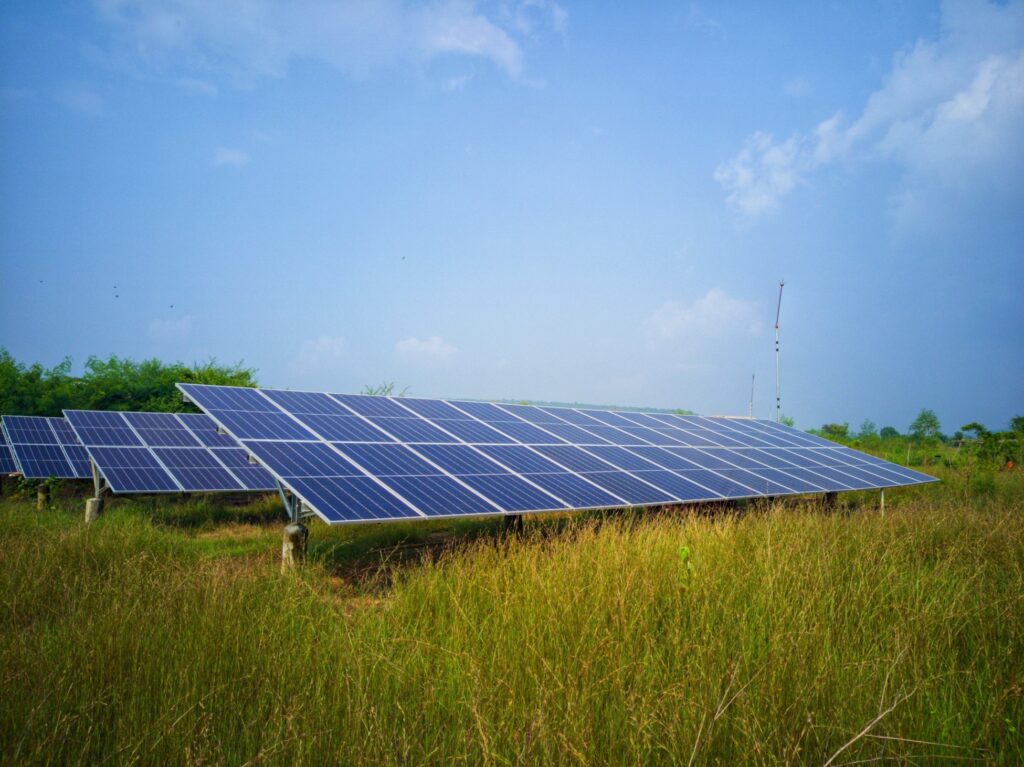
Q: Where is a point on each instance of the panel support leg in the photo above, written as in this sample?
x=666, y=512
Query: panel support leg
x=881, y=501
x=829, y=501
x=42, y=497
x=94, y=505
x=512, y=524
x=293, y=546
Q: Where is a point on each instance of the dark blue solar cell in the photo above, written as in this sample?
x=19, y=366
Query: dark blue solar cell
x=343, y=428
x=79, y=458
x=474, y=432
x=133, y=469
x=726, y=486
x=526, y=433
x=485, y=411
x=196, y=469
x=629, y=488
x=742, y=458
x=440, y=496
x=205, y=430
x=460, y=459
x=161, y=430
x=412, y=430
x=99, y=428
x=646, y=436
x=867, y=476
x=522, y=460
x=693, y=438
x=302, y=459
x=41, y=461
x=702, y=457
x=621, y=458
x=575, y=490
x=572, y=416
x=65, y=434
x=434, y=409
x=663, y=458
x=381, y=407
x=7, y=460
x=575, y=434
x=239, y=398
x=385, y=460
x=351, y=499
x=682, y=488
x=263, y=425
x=609, y=418
x=306, y=402
x=784, y=478
x=251, y=475
x=532, y=414
x=29, y=430
x=759, y=484
x=574, y=458
x=512, y=493
x=641, y=419
x=614, y=435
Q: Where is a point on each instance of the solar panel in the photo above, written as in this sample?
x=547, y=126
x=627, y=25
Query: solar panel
x=165, y=453
x=7, y=464
x=355, y=458
x=43, y=447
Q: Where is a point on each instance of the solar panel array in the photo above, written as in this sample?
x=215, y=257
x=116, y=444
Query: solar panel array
x=45, y=447
x=355, y=458
x=165, y=453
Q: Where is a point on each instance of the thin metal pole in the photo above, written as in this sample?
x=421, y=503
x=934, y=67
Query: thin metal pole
x=778, y=379
x=750, y=411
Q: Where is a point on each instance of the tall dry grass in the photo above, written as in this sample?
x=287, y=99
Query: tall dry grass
x=781, y=636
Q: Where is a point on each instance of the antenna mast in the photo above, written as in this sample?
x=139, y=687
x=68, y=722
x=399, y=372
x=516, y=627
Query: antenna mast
x=750, y=412
x=778, y=383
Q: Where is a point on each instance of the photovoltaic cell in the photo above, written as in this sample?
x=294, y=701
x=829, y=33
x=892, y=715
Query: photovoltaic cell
x=165, y=452
x=42, y=447
x=357, y=458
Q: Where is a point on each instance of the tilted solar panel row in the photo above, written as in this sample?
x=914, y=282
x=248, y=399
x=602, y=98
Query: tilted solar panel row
x=357, y=458
x=45, y=447
x=165, y=453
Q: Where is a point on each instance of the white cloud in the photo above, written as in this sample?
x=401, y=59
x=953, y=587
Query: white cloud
x=197, y=87
x=713, y=316
x=326, y=354
x=170, y=330
x=796, y=87
x=253, y=38
x=81, y=100
x=950, y=110
x=432, y=349
x=698, y=21
x=233, y=158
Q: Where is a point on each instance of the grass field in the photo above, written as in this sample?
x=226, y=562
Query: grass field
x=164, y=634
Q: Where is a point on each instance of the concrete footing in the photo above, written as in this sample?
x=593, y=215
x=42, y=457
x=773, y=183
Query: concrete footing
x=293, y=546
x=93, y=509
x=42, y=497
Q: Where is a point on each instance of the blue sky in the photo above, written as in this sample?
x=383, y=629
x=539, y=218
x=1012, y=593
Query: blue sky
x=562, y=201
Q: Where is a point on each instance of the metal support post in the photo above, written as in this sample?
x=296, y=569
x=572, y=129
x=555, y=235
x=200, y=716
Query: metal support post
x=881, y=501
x=94, y=505
x=829, y=501
x=512, y=524
x=42, y=496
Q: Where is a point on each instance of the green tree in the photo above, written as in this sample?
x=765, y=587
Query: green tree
x=925, y=427
x=868, y=429
x=1017, y=424
x=787, y=421
x=837, y=432
x=888, y=432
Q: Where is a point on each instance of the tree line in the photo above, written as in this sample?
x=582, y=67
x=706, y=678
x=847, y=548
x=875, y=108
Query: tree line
x=113, y=383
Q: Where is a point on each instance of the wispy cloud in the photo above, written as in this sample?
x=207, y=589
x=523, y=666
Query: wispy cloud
x=170, y=329
x=699, y=21
x=319, y=356
x=262, y=37
x=232, y=158
x=81, y=100
x=713, y=316
x=432, y=349
x=949, y=109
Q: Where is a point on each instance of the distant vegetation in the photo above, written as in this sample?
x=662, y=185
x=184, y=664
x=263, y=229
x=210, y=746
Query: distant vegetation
x=925, y=444
x=114, y=383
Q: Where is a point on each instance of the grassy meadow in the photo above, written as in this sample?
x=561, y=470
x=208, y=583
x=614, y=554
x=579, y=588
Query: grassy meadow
x=164, y=634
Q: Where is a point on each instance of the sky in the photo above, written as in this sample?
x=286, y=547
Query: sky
x=527, y=199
